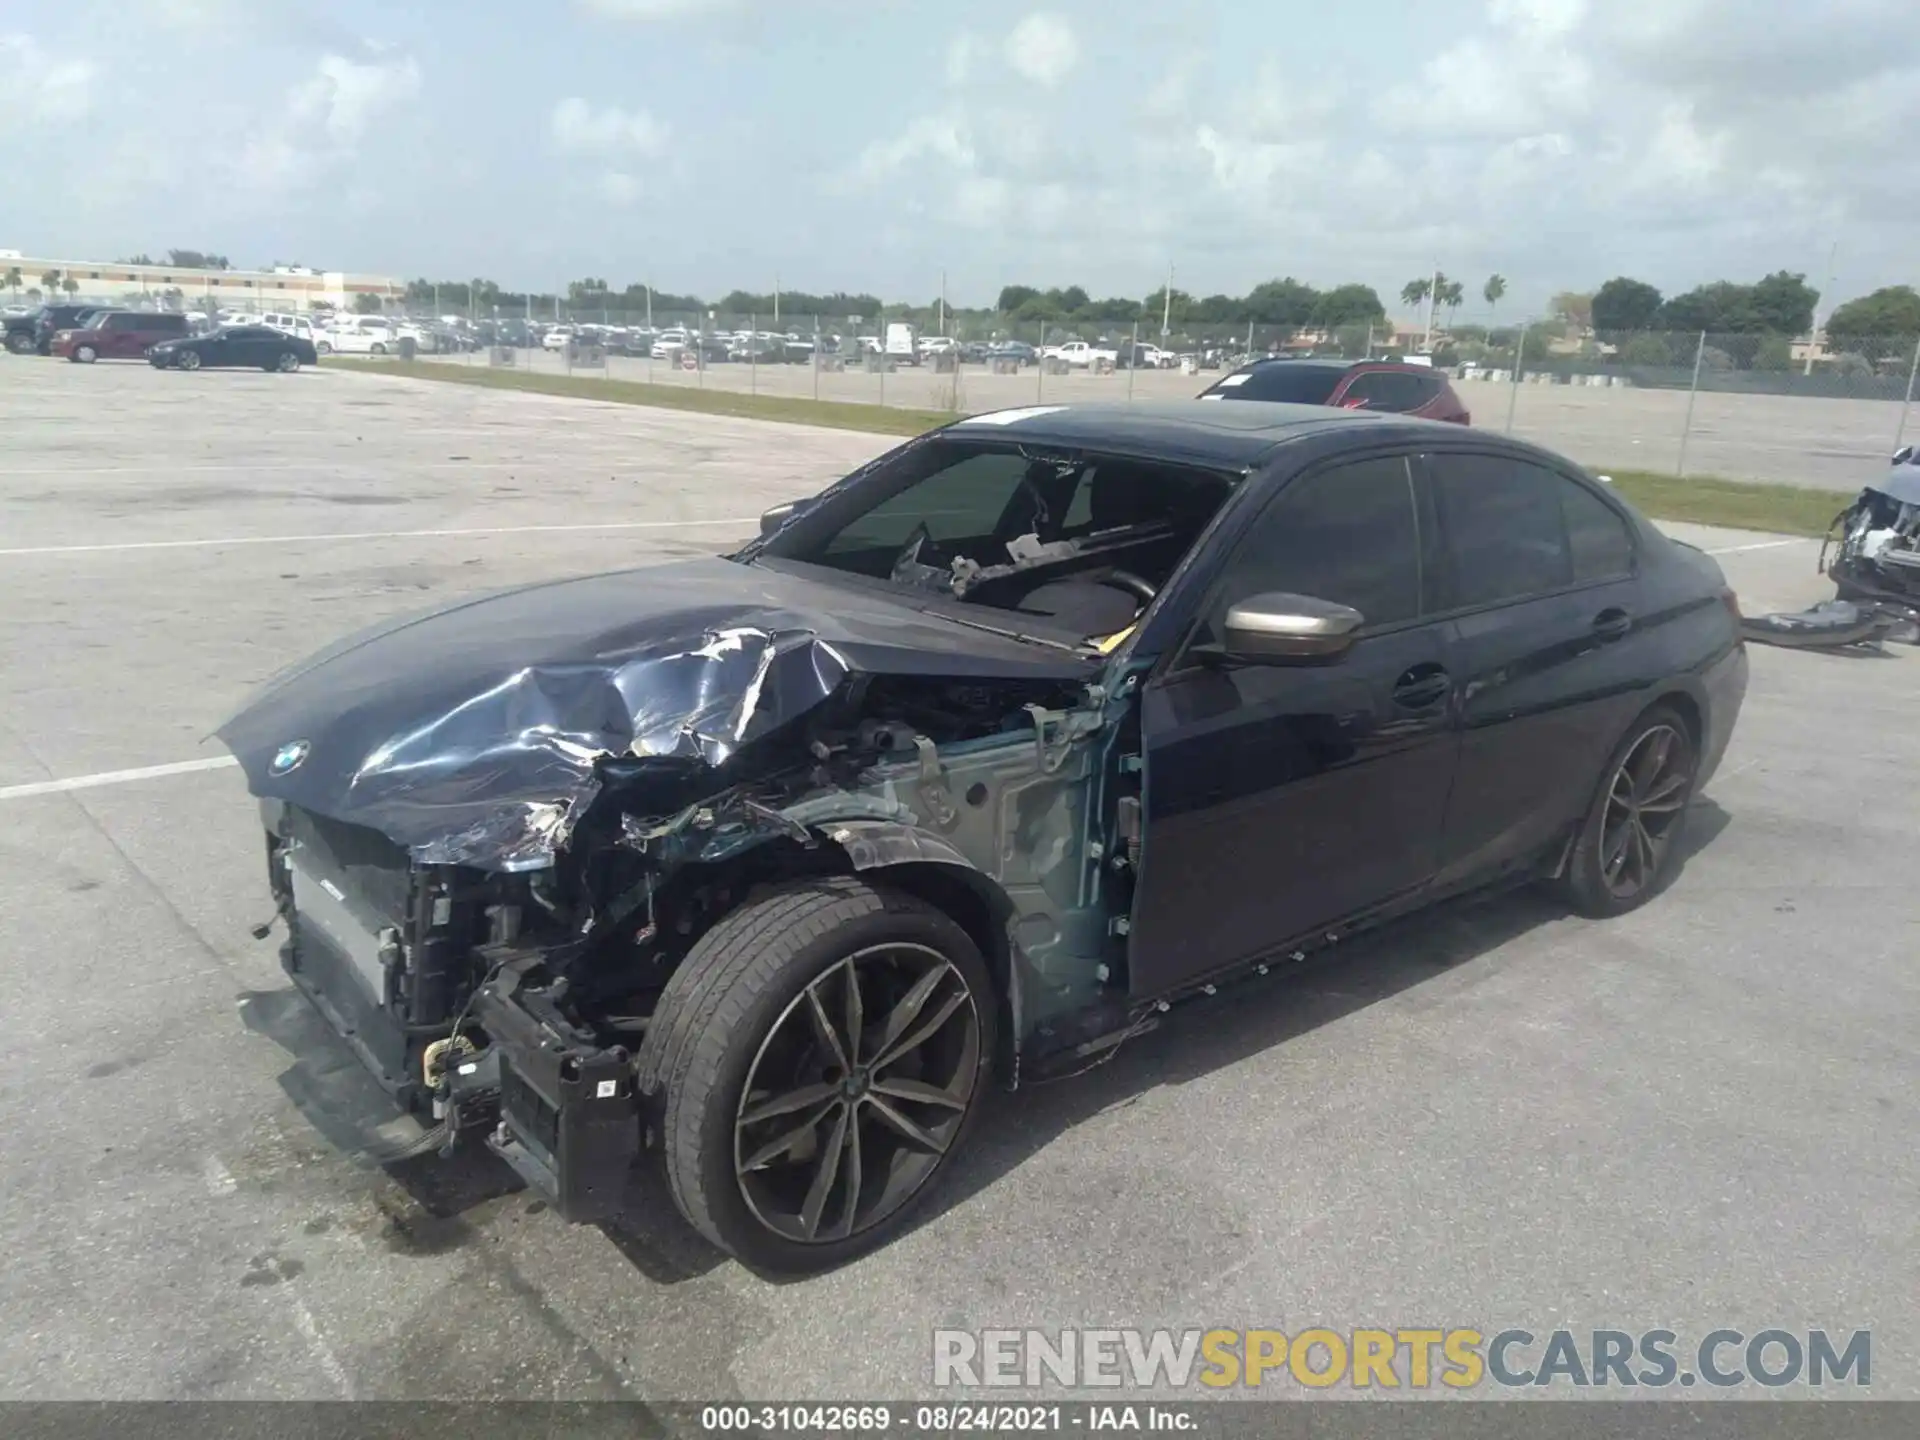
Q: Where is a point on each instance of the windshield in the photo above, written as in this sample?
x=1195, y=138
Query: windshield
x=1078, y=541
x=1286, y=383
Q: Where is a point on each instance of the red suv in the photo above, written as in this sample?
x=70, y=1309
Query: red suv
x=118, y=335
x=1386, y=385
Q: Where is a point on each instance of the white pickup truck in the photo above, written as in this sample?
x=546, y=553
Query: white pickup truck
x=1080, y=355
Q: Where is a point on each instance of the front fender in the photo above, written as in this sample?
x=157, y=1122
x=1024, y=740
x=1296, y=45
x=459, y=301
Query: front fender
x=904, y=853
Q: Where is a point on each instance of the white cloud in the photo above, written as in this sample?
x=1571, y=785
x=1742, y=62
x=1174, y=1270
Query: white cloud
x=344, y=97
x=654, y=9
x=961, y=56
x=617, y=187
x=38, y=90
x=1043, y=48
x=940, y=137
x=325, y=118
x=580, y=129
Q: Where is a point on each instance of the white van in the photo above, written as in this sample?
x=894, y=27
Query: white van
x=285, y=323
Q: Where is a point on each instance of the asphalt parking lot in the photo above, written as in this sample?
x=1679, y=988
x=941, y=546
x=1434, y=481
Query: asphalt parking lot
x=1704, y=1115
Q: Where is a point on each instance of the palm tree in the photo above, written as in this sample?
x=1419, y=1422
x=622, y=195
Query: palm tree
x=71, y=286
x=50, y=282
x=13, y=280
x=1415, y=292
x=1449, y=293
x=1491, y=292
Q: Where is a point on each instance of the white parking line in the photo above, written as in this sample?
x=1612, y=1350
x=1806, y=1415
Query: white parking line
x=371, y=535
x=1759, y=545
x=114, y=777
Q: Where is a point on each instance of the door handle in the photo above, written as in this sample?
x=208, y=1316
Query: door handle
x=1612, y=624
x=1422, y=687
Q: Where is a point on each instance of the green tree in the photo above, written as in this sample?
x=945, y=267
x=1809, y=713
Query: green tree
x=1722, y=308
x=1875, y=326
x=366, y=303
x=197, y=260
x=1647, y=348
x=50, y=282
x=1349, y=305
x=1493, y=292
x=13, y=280
x=1623, y=304
x=1415, y=292
x=1785, y=303
x=71, y=286
x=1574, y=308
x=1012, y=297
x=1449, y=295
x=1286, y=302
x=1775, y=353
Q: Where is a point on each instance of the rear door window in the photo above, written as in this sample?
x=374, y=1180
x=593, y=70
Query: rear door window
x=1392, y=391
x=1505, y=525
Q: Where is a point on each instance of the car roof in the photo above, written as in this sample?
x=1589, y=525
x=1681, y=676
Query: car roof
x=1334, y=363
x=1195, y=431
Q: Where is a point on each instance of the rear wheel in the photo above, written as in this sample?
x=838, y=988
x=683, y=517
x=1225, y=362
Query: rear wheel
x=286, y=362
x=377, y=349
x=85, y=354
x=822, y=1051
x=1630, y=840
x=323, y=348
x=19, y=344
x=189, y=360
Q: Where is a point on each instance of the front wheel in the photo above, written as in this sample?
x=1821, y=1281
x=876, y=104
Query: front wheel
x=85, y=354
x=323, y=348
x=377, y=349
x=822, y=1051
x=189, y=360
x=286, y=362
x=1629, y=842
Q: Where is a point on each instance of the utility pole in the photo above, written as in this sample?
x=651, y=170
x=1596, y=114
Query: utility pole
x=776, y=299
x=943, y=302
x=1433, y=286
x=1813, y=340
x=1166, y=307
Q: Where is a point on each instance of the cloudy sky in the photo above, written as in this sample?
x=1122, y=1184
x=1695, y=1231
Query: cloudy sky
x=872, y=144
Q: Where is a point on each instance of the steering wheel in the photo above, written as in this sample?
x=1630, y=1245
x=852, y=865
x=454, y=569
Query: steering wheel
x=1130, y=582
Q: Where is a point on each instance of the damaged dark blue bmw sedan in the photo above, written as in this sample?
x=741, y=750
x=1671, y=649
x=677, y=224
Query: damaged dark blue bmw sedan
x=969, y=767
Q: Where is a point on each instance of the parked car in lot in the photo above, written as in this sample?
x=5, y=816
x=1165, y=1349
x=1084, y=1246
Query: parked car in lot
x=33, y=332
x=357, y=337
x=117, y=335
x=1382, y=385
x=1081, y=354
x=976, y=763
x=1017, y=351
x=250, y=345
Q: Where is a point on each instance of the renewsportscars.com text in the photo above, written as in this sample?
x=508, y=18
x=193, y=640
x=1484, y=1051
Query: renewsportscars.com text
x=1400, y=1358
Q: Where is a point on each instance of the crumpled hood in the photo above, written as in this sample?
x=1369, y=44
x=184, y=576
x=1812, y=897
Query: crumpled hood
x=471, y=734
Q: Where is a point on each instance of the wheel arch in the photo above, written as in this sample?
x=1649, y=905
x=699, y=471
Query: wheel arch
x=922, y=864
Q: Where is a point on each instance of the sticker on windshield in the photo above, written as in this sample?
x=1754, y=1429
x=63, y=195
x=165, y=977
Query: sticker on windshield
x=1010, y=417
x=1234, y=380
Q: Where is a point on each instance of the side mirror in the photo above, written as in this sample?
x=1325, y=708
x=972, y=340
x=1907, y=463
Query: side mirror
x=1904, y=455
x=1280, y=627
x=773, y=519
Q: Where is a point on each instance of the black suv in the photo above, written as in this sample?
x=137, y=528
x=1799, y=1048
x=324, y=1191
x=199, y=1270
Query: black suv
x=32, y=333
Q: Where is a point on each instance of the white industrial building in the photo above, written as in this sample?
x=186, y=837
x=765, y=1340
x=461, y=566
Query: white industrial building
x=286, y=287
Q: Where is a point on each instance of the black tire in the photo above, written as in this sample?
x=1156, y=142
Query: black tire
x=1601, y=879
x=19, y=344
x=321, y=347
x=187, y=360
x=377, y=349
x=85, y=354
x=286, y=362
x=726, y=1008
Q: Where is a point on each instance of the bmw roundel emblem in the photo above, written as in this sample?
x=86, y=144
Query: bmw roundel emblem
x=288, y=757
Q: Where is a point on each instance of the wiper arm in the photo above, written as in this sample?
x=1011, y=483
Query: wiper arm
x=1005, y=634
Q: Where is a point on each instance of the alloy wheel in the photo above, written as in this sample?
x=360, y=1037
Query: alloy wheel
x=856, y=1094
x=189, y=360
x=1644, y=803
x=287, y=363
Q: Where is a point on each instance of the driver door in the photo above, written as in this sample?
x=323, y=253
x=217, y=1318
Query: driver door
x=1284, y=798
